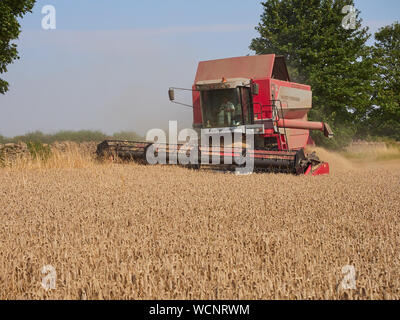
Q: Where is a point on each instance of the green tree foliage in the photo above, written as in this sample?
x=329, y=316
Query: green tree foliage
x=10, y=11
x=384, y=116
x=127, y=135
x=336, y=62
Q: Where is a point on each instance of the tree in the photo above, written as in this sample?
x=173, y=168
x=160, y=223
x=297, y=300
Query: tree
x=336, y=62
x=384, y=116
x=10, y=11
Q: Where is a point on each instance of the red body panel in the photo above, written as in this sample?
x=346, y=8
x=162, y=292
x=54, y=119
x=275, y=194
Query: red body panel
x=297, y=137
x=321, y=170
x=197, y=116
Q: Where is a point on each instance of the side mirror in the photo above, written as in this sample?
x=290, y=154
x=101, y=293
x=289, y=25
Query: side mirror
x=171, y=93
x=255, y=88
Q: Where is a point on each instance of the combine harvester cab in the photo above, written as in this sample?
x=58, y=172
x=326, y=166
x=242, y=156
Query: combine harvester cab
x=236, y=95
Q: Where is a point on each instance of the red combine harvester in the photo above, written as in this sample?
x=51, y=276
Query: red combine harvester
x=241, y=95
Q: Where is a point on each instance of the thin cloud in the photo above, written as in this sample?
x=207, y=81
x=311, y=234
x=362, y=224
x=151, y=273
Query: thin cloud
x=119, y=41
x=199, y=29
x=174, y=30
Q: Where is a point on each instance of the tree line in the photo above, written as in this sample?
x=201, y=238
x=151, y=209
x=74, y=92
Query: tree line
x=73, y=136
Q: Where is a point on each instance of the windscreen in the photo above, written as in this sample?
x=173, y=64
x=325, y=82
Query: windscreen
x=222, y=108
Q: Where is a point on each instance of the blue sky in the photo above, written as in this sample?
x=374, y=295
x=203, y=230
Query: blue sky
x=108, y=64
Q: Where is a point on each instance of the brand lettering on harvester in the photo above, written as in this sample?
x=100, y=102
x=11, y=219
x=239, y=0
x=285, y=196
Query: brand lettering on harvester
x=221, y=310
x=170, y=311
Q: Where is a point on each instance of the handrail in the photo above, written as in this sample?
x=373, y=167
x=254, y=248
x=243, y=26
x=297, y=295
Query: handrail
x=273, y=106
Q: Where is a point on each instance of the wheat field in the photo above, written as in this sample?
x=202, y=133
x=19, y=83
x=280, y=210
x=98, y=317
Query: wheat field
x=126, y=231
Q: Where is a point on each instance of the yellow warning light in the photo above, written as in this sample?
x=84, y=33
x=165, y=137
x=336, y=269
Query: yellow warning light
x=224, y=80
